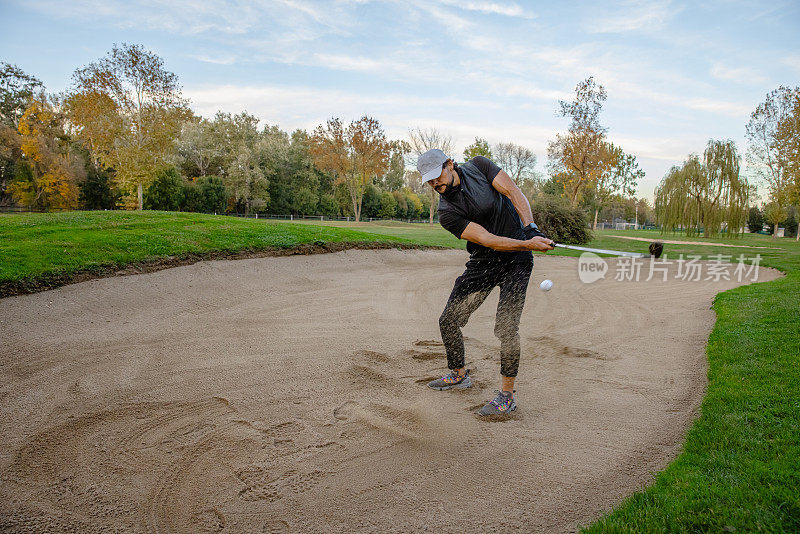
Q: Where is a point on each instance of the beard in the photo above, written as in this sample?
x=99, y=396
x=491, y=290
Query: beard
x=444, y=189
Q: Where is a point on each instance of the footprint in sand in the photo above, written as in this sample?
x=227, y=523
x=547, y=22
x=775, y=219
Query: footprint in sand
x=275, y=526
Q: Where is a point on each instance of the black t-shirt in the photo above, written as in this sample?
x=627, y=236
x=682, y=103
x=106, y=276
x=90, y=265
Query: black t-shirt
x=476, y=200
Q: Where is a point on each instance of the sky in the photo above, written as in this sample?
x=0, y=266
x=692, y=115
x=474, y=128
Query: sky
x=677, y=73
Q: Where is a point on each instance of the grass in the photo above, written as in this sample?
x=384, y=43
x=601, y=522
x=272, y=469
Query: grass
x=740, y=466
x=37, y=245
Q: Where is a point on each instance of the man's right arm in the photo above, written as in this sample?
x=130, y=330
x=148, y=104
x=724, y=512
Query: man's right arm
x=478, y=234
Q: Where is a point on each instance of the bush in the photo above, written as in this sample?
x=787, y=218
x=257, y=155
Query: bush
x=305, y=201
x=193, y=199
x=388, y=205
x=215, y=198
x=371, y=202
x=328, y=206
x=166, y=191
x=96, y=192
x=401, y=211
x=561, y=222
x=791, y=223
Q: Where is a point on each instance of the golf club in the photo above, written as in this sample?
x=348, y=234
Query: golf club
x=656, y=249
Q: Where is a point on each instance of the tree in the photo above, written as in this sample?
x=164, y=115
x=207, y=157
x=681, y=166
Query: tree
x=479, y=148
x=96, y=192
x=726, y=191
x=401, y=205
x=48, y=172
x=423, y=140
x=618, y=175
x=788, y=138
x=519, y=163
x=707, y=194
x=214, y=195
x=199, y=149
x=775, y=213
x=165, y=192
x=250, y=159
x=560, y=221
x=17, y=89
x=149, y=112
x=371, y=203
x=579, y=156
x=755, y=220
x=772, y=151
x=388, y=205
x=355, y=154
x=302, y=177
x=328, y=205
x=94, y=120
x=393, y=180
x=246, y=178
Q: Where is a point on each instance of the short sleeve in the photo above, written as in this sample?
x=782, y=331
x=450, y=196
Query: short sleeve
x=487, y=167
x=453, y=222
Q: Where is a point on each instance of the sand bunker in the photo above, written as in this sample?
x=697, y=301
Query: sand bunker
x=288, y=395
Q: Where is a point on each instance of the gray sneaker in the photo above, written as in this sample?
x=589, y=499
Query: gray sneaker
x=451, y=380
x=503, y=404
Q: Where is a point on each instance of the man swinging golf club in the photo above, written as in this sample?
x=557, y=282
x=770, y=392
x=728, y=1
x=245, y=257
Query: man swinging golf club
x=480, y=203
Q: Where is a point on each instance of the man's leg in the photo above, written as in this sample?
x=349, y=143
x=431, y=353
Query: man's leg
x=469, y=292
x=513, y=286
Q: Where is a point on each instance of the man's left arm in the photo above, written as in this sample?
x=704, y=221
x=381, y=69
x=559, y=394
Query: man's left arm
x=506, y=186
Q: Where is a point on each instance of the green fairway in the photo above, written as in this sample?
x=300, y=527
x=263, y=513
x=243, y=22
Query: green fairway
x=738, y=471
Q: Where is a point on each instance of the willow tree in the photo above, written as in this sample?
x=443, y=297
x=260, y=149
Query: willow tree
x=704, y=195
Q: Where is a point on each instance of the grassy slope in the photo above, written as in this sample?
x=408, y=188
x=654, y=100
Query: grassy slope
x=739, y=469
x=34, y=245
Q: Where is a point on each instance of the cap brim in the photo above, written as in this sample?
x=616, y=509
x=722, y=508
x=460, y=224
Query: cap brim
x=431, y=175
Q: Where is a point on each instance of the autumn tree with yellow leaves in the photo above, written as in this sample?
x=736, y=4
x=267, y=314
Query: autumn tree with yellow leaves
x=355, y=154
x=129, y=109
x=582, y=161
x=48, y=173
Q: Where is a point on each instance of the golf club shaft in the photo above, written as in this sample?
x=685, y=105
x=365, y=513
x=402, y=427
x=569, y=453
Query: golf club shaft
x=603, y=251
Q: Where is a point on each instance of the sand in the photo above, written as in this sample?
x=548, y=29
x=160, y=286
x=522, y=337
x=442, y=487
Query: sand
x=288, y=395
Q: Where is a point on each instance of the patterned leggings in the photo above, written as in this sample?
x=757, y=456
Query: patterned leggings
x=469, y=292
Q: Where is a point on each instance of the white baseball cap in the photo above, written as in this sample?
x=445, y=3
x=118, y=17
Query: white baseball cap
x=430, y=164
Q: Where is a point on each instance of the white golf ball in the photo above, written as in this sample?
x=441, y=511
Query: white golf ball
x=546, y=285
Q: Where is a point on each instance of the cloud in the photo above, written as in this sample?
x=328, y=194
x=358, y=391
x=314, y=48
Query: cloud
x=493, y=8
x=343, y=62
x=793, y=61
x=210, y=17
x=305, y=107
x=632, y=15
x=737, y=74
x=216, y=60
x=732, y=109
